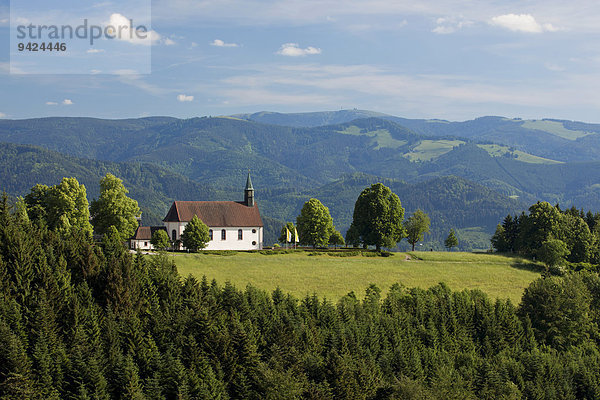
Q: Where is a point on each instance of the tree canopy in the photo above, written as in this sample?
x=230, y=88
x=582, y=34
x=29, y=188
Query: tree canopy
x=63, y=207
x=378, y=216
x=195, y=235
x=336, y=238
x=82, y=321
x=314, y=224
x=114, y=208
x=416, y=227
x=552, y=252
x=160, y=240
x=526, y=233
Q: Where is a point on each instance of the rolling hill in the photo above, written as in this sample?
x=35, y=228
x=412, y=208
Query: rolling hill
x=163, y=158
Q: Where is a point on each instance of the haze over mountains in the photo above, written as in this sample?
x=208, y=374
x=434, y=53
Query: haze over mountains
x=467, y=175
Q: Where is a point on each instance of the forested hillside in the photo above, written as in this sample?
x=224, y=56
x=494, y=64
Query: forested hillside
x=448, y=200
x=22, y=167
x=207, y=158
x=78, y=320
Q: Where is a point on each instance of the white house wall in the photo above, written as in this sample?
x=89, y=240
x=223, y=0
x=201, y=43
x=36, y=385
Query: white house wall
x=231, y=241
x=141, y=244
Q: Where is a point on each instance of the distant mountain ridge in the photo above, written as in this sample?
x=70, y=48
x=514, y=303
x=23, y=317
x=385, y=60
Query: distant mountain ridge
x=557, y=139
x=207, y=157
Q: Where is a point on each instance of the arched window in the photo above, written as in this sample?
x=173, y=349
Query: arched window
x=174, y=234
x=223, y=234
x=240, y=234
x=210, y=234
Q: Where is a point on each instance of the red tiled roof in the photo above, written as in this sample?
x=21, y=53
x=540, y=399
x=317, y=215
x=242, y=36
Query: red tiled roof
x=215, y=213
x=146, y=232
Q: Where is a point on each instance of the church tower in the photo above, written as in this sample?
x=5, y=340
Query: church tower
x=249, y=192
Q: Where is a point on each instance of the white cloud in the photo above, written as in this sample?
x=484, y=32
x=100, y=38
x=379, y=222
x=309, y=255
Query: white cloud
x=67, y=102
x=521, y=23
x=51, y=103
x=449, y=25
x=293, y=50
x=95, y=71
x=182, y=98
x=119, y=27
x=577, y=16
x=95, y=51
x=554, y=67
x=169, y=42
x=443, y=30
x=220, y=43
x=2, y=115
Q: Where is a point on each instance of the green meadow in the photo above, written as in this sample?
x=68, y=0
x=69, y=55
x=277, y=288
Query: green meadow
x=327, y=276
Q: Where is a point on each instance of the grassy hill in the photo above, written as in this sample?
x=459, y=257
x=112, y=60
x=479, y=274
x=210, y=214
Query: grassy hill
x=332, y=277
x=547, y=138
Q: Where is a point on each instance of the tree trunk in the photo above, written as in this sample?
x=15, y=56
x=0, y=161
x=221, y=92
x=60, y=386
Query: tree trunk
x=413, y=247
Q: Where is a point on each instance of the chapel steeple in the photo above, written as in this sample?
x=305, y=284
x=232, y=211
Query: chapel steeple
x=249, y=192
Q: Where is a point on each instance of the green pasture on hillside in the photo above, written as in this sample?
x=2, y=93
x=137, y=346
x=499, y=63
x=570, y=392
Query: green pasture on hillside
x=332, y=277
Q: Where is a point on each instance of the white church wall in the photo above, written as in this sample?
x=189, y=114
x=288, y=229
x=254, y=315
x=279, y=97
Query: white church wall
x=252, y=237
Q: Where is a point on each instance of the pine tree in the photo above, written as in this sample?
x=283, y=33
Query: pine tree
x=451, y=241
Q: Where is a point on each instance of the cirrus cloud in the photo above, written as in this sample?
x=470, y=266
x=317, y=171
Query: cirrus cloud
x=521, y=23
x=293, y=50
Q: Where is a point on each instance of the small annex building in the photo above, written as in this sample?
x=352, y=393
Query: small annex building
x=233, y=225
x=142, y=236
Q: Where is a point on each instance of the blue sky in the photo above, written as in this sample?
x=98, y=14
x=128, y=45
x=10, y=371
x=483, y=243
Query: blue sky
x=444, y=59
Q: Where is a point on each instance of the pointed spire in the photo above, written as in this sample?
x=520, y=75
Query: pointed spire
x=249, y=182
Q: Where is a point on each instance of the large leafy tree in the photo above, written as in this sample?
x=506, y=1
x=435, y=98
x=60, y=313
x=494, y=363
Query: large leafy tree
x=378, y=216
x=195, y=235
x=114, y=208
x=552, y=252
x=314, y=224
x=543, y=221
x=63, y=207
x=416, y=227
x=160, y=240
x=559, y=310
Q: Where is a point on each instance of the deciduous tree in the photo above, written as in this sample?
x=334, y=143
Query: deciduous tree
x=195, y=235
x=336, y=238
x=63, y=207
x=552, y=252
x=160, y=240
x=378, y=216
x=114, y=208
x=416, y=226
x=314, y=224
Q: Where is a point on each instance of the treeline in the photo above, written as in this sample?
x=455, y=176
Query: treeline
x=85, y=321
x=552, y=235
